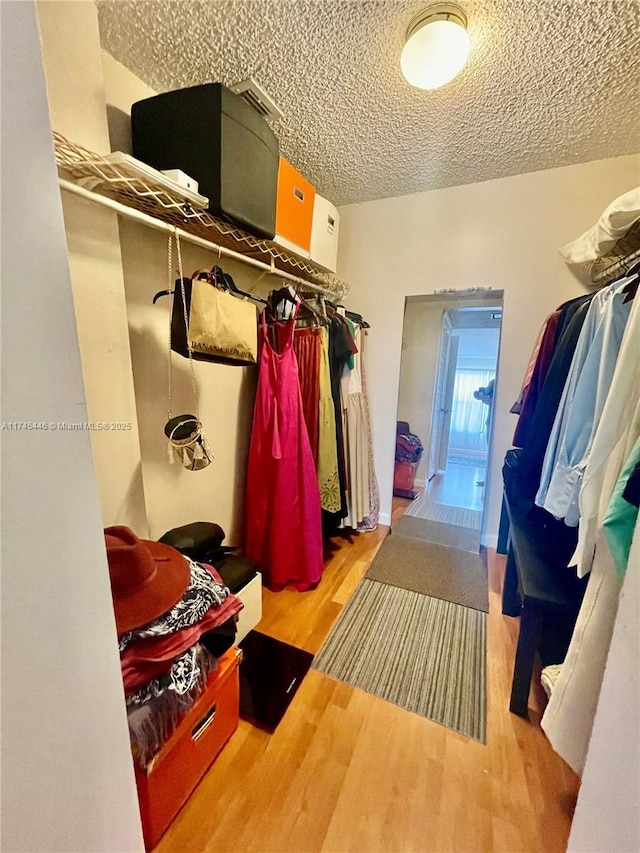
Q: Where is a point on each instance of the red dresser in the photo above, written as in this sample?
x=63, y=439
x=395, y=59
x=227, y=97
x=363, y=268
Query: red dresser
x=172, y=775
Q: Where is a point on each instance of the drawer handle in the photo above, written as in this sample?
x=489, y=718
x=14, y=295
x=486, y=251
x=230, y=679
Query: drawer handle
x=200, y=728
x=298, y=193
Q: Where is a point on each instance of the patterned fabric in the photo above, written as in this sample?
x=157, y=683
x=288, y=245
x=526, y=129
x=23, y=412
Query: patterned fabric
x=203, y=593
x=371, y=521
x=181, y=678
x=328, y=478
x=151, y=724
x=147, y=659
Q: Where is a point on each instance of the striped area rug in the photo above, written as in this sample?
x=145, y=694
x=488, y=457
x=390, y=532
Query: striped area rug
x=457, y=515
x=424, y=654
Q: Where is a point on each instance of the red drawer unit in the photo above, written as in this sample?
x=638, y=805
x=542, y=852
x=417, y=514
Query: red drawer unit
x=166, y=784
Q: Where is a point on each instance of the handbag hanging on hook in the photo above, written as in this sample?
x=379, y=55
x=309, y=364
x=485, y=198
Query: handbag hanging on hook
x=210, y=323
x=187, y=443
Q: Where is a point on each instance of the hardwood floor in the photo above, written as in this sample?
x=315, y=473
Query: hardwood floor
x=457, y=487
x=346, y=771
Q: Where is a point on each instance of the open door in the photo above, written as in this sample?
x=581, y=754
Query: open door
x=439, y=394
x=447, y=404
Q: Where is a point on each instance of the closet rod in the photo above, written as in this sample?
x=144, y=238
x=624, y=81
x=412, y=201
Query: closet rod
x=151, y=222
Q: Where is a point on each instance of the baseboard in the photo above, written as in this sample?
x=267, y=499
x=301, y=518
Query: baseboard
x=385, y=518
x=419, y=484
x=489, y=540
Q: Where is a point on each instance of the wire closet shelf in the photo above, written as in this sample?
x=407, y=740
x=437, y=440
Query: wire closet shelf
x=100, y=177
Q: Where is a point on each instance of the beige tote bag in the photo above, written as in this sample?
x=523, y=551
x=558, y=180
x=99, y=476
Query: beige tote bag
x=220, y=324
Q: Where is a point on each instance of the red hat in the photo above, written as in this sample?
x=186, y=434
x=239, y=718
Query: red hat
x=147, y=578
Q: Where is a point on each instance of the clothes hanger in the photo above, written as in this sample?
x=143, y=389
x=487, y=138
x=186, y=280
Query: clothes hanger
x=317, y=315
x=283, y=302
x=631, y=288
x=358, y=318
x=227, y=282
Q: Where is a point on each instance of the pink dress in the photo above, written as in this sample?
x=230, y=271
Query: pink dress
x=282, y=506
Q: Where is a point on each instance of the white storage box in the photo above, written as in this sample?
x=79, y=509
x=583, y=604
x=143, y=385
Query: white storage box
x=182, y=179
x=251, y=597
x=324, y=234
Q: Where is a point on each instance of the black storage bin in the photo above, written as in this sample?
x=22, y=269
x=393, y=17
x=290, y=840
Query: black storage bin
x=217, y=138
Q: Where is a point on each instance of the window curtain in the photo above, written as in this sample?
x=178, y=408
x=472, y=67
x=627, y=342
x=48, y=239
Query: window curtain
x=469, y=416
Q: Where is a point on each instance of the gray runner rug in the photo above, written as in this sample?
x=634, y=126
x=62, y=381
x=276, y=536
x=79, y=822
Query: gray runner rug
x=440, y=534
x=458, y=515
x=447, y=573
x=421, y=653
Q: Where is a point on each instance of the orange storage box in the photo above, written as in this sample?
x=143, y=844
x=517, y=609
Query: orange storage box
x=294, y=209
x=172, y=775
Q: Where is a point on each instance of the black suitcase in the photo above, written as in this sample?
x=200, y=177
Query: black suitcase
x=218, y=139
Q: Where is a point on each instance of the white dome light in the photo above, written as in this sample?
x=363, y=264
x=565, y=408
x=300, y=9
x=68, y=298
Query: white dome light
x=437, y=46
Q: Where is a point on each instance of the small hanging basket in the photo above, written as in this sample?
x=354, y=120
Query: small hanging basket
x=187, y=444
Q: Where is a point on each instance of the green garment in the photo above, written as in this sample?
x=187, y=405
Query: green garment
x=620, y=520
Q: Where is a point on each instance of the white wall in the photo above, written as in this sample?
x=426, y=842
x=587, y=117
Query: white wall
x=502, y=234
x=226, y=393
x=67, y=773
x=73, y=67
x=116, y=268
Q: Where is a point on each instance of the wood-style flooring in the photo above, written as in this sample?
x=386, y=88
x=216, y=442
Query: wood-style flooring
x=346, y=771
x=457, y=486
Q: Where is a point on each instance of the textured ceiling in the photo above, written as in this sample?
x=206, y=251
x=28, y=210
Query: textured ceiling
x=548, y=83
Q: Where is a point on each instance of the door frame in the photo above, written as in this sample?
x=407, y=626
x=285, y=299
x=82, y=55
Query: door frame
x=478, y=298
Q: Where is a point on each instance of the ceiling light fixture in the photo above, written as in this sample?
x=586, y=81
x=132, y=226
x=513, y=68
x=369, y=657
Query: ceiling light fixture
x=437, y=46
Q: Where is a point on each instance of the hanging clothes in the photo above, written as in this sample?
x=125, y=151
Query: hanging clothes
x=543, y=416
x=540, y=360
x=306, y=343
x=622, y=513
x=355, y=436
x=631, y=492
x=282, y=506
x=370, y=522
x=535, y=375
x=617, y=421
x=568, y=719
x=516, y=409
x=327, y=466
x=341, y=348
x=582, y=402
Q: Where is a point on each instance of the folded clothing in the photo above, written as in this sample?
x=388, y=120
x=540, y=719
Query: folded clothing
x=155, y=657
x=146, y=659
x=152, y=722
x=183, y=672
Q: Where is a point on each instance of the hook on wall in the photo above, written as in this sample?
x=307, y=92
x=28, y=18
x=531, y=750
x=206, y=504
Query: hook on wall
x=162, y=293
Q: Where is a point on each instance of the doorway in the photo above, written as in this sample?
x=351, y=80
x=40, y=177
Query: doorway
x=463, y=405
x=447, y=378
